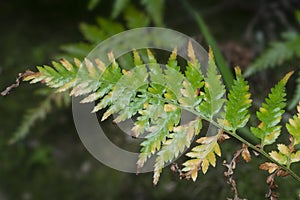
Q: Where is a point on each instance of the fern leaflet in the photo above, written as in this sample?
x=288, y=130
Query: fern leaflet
x=236, y=108
x=270, y=114
x=202, y=156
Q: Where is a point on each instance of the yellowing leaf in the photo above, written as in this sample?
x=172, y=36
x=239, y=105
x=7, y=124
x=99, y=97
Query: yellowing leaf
x=169, y=107
x=295, y=157
x=280, y=158
x=177, y=142
x=293, y=127
x=191, y=53
x=211, y=159
x=203, y=155
x=283, y=149
x=204, y=166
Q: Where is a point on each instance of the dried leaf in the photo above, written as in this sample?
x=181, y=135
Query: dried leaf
x=246, y=154
x=268, y=166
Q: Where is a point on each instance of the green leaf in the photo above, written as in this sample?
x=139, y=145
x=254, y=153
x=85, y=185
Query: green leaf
x=236, y=108
x=124, y=92
x=39, y=113
x=118, y=7
x=162, y=120
x=278, y=53
x=270, y=114
x=92, y=33
x=155, y=10
x=109, y=27
x=77, y=50
x=61, y=76
x=193, y=73
x=213, y=90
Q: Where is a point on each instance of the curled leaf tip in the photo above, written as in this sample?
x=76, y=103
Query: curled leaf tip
x=286, y=77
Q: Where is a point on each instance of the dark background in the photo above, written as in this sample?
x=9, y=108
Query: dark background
x=52, y=163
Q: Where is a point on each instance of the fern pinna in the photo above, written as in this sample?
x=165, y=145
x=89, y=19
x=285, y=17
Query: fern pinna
x=157, y=96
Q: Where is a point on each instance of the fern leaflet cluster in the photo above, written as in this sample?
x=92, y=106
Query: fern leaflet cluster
x=157, y=96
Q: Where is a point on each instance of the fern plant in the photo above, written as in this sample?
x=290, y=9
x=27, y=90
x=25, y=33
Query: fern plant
x=278, y=53
x=154, y=9
x=157, y=96
x=92, y=34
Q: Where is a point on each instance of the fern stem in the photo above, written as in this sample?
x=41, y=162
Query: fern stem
x=233, y=134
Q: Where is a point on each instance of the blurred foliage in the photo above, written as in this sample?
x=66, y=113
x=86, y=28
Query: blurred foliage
x=153, y=8
x=52, y=163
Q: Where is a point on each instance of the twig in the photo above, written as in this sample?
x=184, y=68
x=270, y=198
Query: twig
x=229, y=173
x=272, y=195
x=17, y=82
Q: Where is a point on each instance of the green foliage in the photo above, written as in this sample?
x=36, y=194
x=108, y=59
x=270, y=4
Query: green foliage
x=61, y=76
x=270, y=114
x=118, y=7
x=278, y=53
x=65, y=77
x=154, y=9
x=180, y=139
x=236, y=109
x=103, y=29
x=288, y=154
x=294, y=128
x=157, y=96
x=213, y=90
x=38, y=113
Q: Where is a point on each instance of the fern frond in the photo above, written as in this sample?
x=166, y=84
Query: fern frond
x=123, y=93
x=193, y=73
x=162, y=121
x=158, y=116
x=39, y=113
x=277, y=53
x=136, y=18
x=155, y=10
x=157, y=95
x=62, y=75
x=93, y=33
x=213, y=91
x=270, y=114
x=76, y=50
x=180, y=139
x=286, y=155
x=202, y=156
x=118, y=7
x=236, y=108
